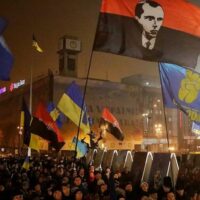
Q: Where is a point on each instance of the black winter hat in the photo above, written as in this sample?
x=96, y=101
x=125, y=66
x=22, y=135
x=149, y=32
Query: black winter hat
x=167, y=182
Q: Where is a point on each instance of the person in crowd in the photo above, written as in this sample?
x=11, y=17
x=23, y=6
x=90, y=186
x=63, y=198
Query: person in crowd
x=62, y=179
x=103, y=192
x=77, y=185
x=66, y=191
x=144, y=189
x=48, y=193
x=25, y=189
x=153, y=195
x=166, y=188
x=157, y=179
x=57, y=193
x=121, y=197
x=83, y=177
x=116, y=179
x=180, y=191
x=17, y=195
x=78, y=195
x=129, y=193
x=125, y=176
x=98, y=181
x=192, y=194
x=171, y=196
x=37, y=192
x=91, y=179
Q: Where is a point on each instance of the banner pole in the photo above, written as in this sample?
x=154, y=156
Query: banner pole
x=31, y=93
x=86, y=83
x=165, y=117
x=166, y=128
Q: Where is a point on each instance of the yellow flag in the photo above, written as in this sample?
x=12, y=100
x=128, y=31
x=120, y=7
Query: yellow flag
x=36, y=45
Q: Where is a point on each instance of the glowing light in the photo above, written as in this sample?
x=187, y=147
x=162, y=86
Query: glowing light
x=2, y=90
x=158, y=128
x=171, y=148
x=20, y=129
x=145, y=114
x=12, y=86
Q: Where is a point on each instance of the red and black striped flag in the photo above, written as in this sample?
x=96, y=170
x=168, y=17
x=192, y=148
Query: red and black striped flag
x=159, y=30
x=35, y=130
x=56, y=138
x=109, y=123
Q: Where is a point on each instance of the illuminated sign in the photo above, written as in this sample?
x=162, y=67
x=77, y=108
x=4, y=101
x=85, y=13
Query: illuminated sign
x=12, y=86
x=16, y=85
x=2, y=90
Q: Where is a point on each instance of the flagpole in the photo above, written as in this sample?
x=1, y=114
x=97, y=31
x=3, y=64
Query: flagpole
x=31, y=90
x=85, y=87
x=31, y=93
x=82, y=103
x=166, y=127
x=30, y=99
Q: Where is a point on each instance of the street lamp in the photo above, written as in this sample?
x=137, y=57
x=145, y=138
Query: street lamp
x=20, y=132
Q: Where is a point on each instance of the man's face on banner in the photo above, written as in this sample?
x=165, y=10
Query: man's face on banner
x=151, y=19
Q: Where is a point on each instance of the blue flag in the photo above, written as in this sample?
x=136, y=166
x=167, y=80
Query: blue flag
x=81, y=148
x=181, y=88
x=26, y=164
x=70, y=105
x=55, y=114
x=6, y=57
x=196, y=128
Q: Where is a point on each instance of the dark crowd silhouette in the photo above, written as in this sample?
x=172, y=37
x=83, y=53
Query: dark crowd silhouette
x=64, y=178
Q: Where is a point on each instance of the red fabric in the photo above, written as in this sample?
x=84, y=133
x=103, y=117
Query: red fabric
x=109, y=117
x=178, y=14
x=43, y=115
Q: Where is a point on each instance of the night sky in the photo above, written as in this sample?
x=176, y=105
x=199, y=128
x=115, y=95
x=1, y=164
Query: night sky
x=49, y=20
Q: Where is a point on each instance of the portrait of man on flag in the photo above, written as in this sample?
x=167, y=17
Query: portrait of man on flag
x=149, y=15
x=150, y=30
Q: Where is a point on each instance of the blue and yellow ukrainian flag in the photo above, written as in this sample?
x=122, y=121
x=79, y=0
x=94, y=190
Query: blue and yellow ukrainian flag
x=70, y=105
x=26, y=164
x=55, y=114
x=81, y=148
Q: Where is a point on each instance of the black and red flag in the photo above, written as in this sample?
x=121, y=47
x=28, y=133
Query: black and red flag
x=55, y=138
x=37, y=128
x=160, y=30
x=110, y=124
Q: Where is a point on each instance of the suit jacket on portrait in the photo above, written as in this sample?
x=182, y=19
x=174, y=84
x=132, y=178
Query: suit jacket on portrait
x=123, y=35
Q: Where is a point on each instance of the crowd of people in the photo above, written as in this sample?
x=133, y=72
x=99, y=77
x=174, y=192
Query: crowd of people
x=52, y=178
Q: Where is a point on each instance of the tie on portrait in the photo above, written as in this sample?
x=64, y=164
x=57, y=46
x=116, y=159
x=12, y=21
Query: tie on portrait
x=148, y=43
